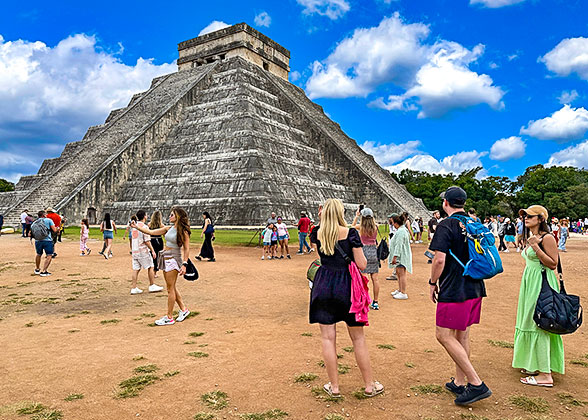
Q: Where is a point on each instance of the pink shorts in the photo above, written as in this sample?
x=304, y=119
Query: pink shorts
x=459, y=315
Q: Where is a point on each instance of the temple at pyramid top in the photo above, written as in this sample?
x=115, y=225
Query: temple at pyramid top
x=239, y=40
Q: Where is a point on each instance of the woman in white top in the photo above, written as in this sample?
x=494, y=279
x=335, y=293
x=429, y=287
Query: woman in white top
x=283, y=237
x=416, y=229
x=172, y=260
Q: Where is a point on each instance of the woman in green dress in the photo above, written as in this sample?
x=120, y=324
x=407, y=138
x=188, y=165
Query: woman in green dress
x=537, y=352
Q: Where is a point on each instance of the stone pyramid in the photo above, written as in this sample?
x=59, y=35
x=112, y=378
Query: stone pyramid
x=227, y=133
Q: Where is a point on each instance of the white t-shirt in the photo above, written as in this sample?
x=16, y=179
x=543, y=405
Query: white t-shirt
x=415, y=226
x=23, y=217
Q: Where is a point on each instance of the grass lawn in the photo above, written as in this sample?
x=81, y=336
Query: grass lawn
x=223, y=237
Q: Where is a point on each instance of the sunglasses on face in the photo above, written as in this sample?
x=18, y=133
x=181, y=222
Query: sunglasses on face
x=530, y=216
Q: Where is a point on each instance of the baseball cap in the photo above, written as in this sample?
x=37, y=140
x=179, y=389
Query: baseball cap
x=391, y=215
x=50, y=210
x=535, y=210
x=367, y=212
x=454, y=195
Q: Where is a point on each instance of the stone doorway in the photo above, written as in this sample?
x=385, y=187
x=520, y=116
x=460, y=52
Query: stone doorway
x=92, y=216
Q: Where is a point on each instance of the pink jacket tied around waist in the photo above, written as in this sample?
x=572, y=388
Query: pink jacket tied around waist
x=360, y=297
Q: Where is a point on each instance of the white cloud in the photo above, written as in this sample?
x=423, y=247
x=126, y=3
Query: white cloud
x=564, y=125
x=507, y=149
x=494, y=4
x=333, y=9
x=572, y=156
x=569, y=56
x=567, y=97
x=446, y=83
x=388, y=154
x=58, y=92
x=215, y=25
x=513, y=57
x=456, y=163
x=437, y=76
x=294, y=76
x=263, y=19
x=389, y=52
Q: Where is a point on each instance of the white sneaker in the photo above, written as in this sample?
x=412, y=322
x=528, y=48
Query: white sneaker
x=269, y=258
x=395, y=292
x=400, y=296
x=263, y=258
x=182, y=315
x=506, y=250
x=155, y=288
x=136, y=291
x=165, y=321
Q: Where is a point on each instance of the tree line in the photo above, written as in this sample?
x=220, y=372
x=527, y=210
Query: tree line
x=562, y=190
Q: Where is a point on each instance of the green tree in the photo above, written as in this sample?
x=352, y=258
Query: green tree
x=6, y=185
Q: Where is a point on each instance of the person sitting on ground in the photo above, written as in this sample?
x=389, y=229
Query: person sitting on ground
x=401, y=255
x=84, y=235
x=536, y=352
x=330, y=297
x=458, y=299
x=283, y=237
x=143, y=255
x=173, y=260
x=43, y=243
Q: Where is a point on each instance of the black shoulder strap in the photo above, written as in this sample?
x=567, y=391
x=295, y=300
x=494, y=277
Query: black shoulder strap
x=345, y=256
x=559, y=269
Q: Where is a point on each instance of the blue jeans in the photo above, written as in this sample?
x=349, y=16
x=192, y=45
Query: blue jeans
x=24, y=228
x=562, y=242
x=302, y=241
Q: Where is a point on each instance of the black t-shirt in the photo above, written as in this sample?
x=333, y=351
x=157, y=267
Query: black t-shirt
x=510, y=229
x=453, y=286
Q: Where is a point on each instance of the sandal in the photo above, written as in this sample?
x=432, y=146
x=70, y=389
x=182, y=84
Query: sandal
x=329, y=390
x=530, y=380
x=377, y=390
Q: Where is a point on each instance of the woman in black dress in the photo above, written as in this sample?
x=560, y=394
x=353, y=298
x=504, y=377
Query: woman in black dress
x=156, y=222
x=330, y=298
x=208, y=232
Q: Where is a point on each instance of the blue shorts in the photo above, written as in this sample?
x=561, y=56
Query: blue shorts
x=281, y=238
x=266, y=243
x=46, y=246
x=108, y=234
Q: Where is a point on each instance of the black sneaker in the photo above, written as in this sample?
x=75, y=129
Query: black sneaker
x=473, y=393
x=37, y=271
x=45, y=274
x=452, y=387
x=289, y=257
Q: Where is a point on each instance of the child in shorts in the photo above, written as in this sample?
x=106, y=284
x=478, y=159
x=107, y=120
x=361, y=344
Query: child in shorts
x=266, y=234
x=274, y=242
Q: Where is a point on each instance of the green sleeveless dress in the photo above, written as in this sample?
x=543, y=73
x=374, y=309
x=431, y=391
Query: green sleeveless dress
x=534, y=348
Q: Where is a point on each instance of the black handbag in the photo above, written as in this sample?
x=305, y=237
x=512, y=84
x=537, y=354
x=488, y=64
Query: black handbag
x=383, y=251
x=191, y=272
x=557, y=313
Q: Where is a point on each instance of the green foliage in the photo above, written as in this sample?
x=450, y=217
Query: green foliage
x=562, y=190
x=529, y=404
x=266, y=415
x=73, y=397
x=305, y=377
x=6, y=185
x=217, y=400
x=132, y=386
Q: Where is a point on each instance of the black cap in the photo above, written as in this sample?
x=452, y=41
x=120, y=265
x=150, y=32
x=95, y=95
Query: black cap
x=454, y=195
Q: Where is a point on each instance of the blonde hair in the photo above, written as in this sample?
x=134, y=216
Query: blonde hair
x=331, y=219
x=368, y=226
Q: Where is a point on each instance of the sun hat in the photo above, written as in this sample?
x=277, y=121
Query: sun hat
x=535, y=210
x=367, y=212
x=454, y=195
x=50, y=210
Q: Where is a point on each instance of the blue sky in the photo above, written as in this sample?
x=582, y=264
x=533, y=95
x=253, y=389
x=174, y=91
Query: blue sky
x=436, y=85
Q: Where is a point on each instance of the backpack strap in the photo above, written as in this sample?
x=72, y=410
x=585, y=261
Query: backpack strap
x=464, y=220
x=343, y=253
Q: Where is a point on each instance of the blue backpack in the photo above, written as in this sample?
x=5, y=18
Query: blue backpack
x=484, y=261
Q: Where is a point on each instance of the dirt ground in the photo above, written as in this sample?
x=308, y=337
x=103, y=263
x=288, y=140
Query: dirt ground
x=254, y=316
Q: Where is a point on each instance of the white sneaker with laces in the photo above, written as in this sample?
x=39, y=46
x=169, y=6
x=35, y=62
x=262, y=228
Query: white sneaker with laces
x=182, y=315
x=395, y=292
x=400, y=296
x=136, y=291
x=155, y=288
x=263, y=258
x=165, y=321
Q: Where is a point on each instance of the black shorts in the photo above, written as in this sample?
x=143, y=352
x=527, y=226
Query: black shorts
x=274, y=243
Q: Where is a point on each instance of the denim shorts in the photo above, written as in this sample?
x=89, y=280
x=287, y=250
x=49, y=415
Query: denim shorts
x=108, y=234
x=46, y=246
x=281, y=238
x=266, y=243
